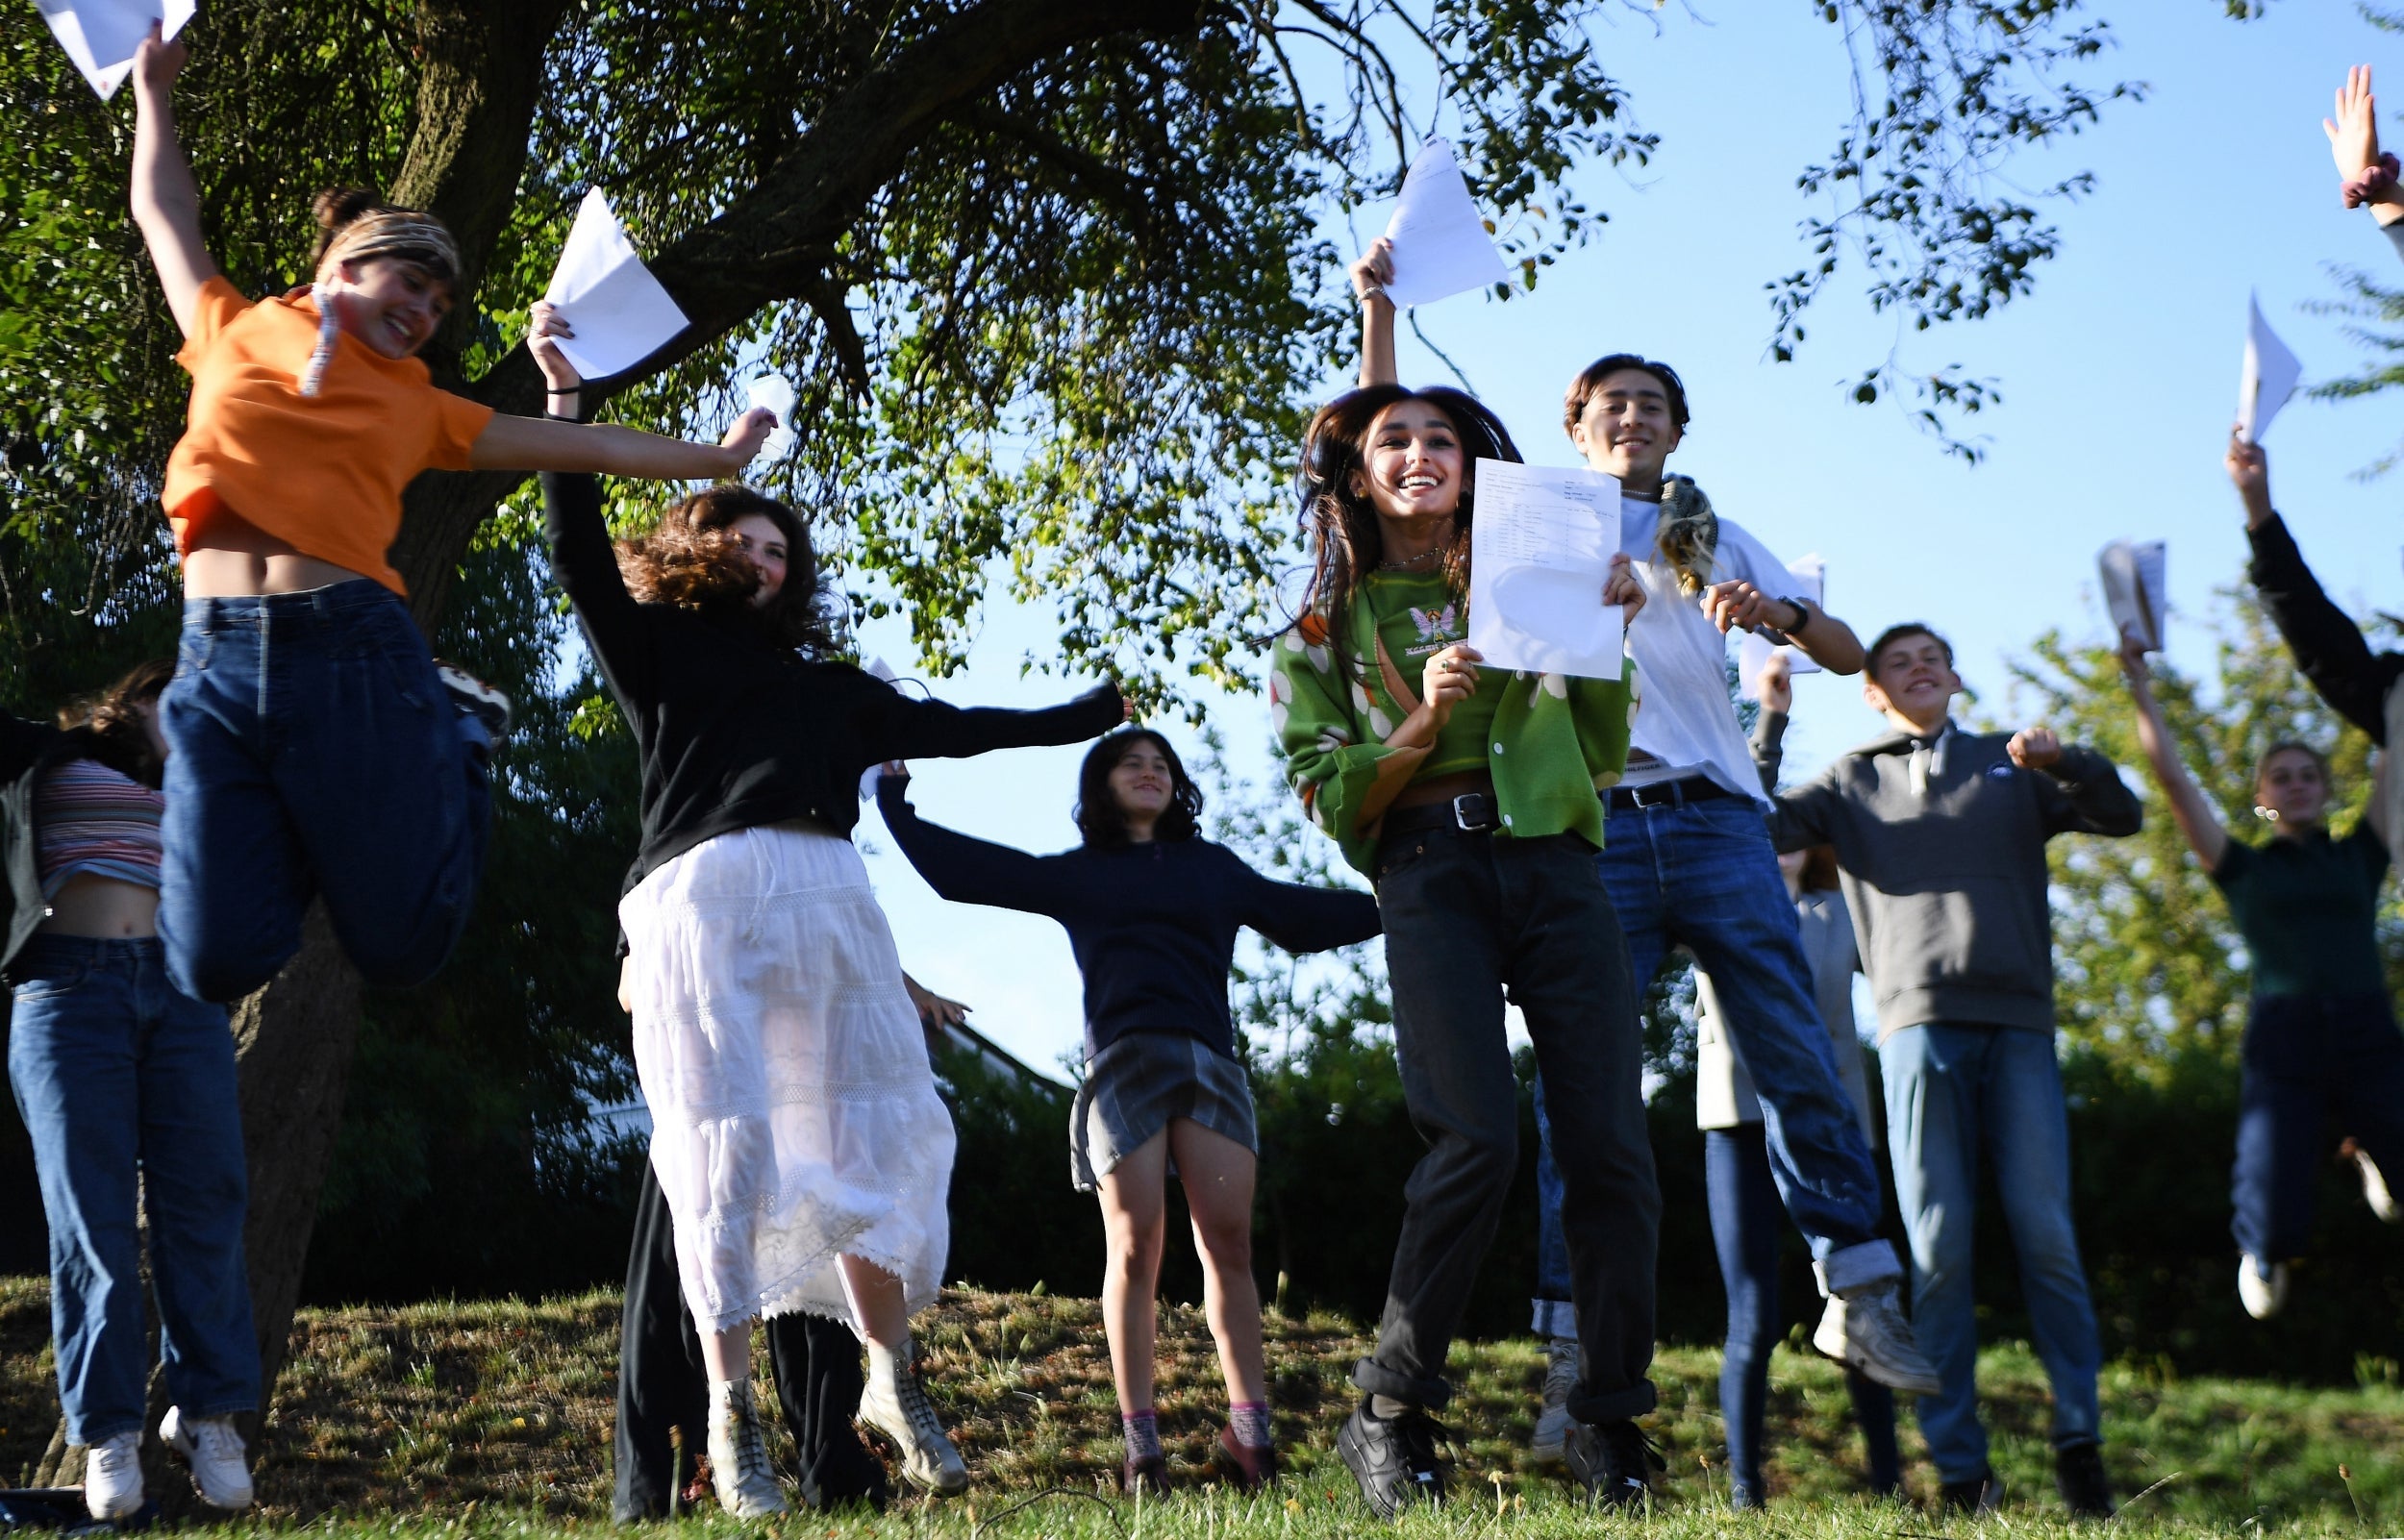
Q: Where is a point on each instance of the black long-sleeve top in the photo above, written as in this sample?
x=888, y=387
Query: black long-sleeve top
x=2328, y=646
x=1153, y=924
x=736, y=731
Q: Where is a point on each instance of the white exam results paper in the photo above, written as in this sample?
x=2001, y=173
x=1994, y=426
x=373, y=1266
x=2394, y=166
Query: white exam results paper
x=1540, y=552
x=1811, y=582
x=100, y=35
x=1440, y=244
x=2270, y=376
x=2136, y=587
x=776, y=393
x=620, y=313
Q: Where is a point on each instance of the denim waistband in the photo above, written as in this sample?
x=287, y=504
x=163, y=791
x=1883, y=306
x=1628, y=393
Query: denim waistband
x=99, y=951
x=330, y=606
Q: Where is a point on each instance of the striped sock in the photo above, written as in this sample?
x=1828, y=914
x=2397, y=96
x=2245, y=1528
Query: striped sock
x=1143, y=1435
x=1250, y=1421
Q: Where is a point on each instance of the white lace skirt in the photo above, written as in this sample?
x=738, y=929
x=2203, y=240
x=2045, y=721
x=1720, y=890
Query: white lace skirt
x=794, y=1111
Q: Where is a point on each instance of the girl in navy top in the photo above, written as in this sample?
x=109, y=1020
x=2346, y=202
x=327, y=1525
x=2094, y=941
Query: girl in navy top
x=1152, y=911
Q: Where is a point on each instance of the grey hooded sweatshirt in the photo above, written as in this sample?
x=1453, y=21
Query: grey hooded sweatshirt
x=1948, y=884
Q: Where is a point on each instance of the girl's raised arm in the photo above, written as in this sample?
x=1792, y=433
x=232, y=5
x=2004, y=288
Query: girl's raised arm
x=2189, y=807
x=541, y=445
x=1371, y=275
x=166, y=206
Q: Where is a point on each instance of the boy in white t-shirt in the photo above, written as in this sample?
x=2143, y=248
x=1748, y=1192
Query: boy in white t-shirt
x=1687, y=859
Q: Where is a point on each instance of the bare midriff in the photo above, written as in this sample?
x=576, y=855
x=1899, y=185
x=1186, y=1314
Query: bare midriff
x=227, y=557
x=103, y=906
x=1445, y=788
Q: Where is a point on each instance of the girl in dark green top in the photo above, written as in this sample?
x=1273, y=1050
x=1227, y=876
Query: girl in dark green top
x=2321, y=1033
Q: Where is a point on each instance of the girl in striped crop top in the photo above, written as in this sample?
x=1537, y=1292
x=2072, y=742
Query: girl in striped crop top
x=127, y=1086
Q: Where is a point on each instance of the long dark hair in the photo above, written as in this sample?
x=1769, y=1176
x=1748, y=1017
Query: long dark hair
x=1099, y=817
x=111, y=727
x=694, y=561
x=1341, y=525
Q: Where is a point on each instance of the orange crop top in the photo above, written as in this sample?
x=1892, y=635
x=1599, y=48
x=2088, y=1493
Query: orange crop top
x=322, y=473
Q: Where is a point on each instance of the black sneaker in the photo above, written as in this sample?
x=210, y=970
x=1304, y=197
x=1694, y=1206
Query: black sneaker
x=1615, y=1461
x=1980, y=1494
x=471, y=696
x=2078, y=1475
x=1393, y=1458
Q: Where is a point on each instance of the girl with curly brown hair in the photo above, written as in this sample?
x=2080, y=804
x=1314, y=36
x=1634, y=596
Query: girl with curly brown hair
x=127, y=1087
x=796, y=1132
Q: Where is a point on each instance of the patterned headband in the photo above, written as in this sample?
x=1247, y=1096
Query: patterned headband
x=395, y=232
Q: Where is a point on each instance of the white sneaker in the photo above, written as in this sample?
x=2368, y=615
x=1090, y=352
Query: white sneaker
x=214, y=1449
x=895, y=1405
x=2263, y=1296
x=1868, y=1331
x=2375, y=1187
x=739, y=1473
x=1562, y=1366
x=113, y=1476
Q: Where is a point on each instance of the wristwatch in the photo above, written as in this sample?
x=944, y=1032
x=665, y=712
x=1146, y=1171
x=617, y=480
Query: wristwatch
x=1802, y=614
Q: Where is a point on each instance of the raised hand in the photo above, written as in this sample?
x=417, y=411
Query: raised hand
x=1373, y=269
x=2133, y=658
x=2353, y=129
x=1775, y=684
x=2034, y=748
x=157, y=62
x=2249, y=472
x=742, y=441
x=544, y=327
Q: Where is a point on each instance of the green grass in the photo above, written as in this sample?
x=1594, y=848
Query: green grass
x=492, y=1418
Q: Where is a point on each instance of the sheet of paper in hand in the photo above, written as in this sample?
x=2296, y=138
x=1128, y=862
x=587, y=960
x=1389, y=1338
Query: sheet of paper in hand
x=2136, y=588
x=2269, y=375
x=776, y=393
x=1440, y=244
x=100, y=35
x=1811, y=582
x=1540, y=552
x=621, y=313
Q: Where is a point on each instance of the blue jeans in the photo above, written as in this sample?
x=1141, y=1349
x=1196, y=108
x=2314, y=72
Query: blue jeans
x=315, y=754
x=1704, y=875
x=121, y=1078
x=1745, y=1227
x=2306, y=1056
x=1953, y=1091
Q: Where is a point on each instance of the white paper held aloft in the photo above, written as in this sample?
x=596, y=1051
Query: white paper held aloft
x=2269, y=375
x=2136, y=588
x=1540, y=552
x=1811, y=582
x=776, y=393
x=100, y=35
x=621, y=313
x=1440, y=239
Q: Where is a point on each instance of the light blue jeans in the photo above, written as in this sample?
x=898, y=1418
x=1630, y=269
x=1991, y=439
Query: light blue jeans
x=1953, y=1091
x=1704, y=875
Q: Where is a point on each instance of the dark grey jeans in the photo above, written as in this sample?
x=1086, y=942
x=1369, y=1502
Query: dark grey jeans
x=1470, y=918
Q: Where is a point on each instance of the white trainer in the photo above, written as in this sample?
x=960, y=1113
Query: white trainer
x=739, y=1472
x=895, y=1405
x=113, y=1476
x=2375, y=1188
x=1868, y=1331
x=2263, y=1296
x=220, y=1463
x=1562, y=1369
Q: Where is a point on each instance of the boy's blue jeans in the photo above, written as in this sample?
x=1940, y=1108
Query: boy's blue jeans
x=1703, y=875
x=127, y=1087
x=313, y=753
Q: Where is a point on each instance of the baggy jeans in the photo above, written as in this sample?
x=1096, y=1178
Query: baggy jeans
x=127, y=1087
x=313, y=753
x=1470, y=918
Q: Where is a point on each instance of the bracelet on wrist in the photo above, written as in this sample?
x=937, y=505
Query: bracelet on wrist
x=1373, y=291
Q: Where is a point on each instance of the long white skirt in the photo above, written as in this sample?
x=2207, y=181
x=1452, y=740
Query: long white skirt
x=794, y=1111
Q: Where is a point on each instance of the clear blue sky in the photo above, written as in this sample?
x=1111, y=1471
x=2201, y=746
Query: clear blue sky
x=2119, y=376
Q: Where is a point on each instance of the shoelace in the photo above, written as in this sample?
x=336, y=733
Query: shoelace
x=1421, y=1437
x=213, y=1440
x=1562, y=1376
x=917, y=1411
x=751, y=1450
x=1633, y=1450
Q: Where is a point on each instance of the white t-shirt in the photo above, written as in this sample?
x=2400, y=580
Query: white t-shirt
x=1685, y=719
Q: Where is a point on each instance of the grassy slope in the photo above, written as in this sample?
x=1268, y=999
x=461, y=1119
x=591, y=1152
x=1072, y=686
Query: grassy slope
x=417, y=1412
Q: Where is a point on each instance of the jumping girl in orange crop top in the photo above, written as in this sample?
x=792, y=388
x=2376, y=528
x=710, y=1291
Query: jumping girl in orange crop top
x=319, y=752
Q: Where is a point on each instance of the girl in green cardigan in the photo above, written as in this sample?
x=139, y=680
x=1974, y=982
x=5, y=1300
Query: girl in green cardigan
x=1468, y=795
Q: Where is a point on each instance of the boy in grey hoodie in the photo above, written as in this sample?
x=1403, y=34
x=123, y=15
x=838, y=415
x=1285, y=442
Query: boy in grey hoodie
x=1940, y=836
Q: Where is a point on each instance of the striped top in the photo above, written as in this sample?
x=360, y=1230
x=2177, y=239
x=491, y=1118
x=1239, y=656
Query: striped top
x=96, y=822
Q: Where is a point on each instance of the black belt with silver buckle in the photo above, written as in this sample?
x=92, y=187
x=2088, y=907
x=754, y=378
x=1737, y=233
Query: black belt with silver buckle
x=1472, y=813
x=1665, y=794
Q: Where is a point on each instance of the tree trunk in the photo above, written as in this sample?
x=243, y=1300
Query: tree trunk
x=292, y=1044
